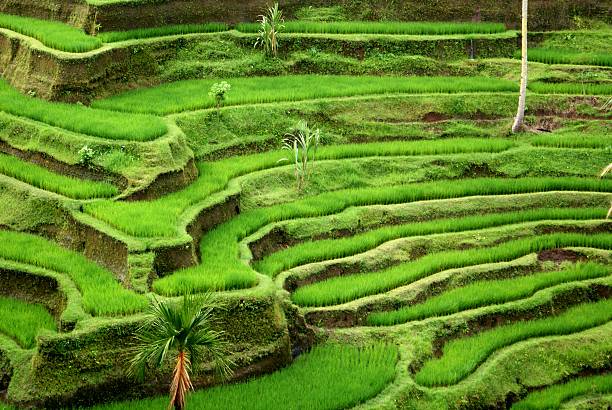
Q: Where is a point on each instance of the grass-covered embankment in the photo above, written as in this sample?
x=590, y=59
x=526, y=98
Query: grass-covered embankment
x=347, y=288
x=551, y=398
x=53, y=34
x=23, y=321
x=326, y=249
x=102, y=293
x=487, y=292
x=193, y=94
x=383, y=27
x=329, y=377
x=84, y=120
x=462, y=356
x=44, y=179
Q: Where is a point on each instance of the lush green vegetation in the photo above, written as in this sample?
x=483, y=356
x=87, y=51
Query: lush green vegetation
x=42, y=178
x=219, y=248
x=315, y=251
x=460, y=357
x=564, y=56
x=53, y=34
x=551, y=398
x=192, y=94
x=346, y=288
x=102, y=293
x=329, y=377
x=85, y=120
x=23, y=321
x=162, y=217
x=571, y=88
x=487, y=292
x=114, y=36
x=572, y=140
x=386, y=27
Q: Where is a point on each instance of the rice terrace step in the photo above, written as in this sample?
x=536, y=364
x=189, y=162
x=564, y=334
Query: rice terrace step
x=305, y=204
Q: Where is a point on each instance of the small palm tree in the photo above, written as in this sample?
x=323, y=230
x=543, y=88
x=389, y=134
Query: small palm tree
x=181, y=331
x=270, y=25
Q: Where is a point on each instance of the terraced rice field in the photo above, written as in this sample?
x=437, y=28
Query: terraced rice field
x=429, y=258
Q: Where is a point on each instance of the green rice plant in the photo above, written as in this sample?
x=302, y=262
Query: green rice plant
x=53, y=34
x=570, y=88
x=85, y=120
x=386, y=27
x=49, y=181
x=347, y=288
x=572, y=140
x=219, y=249
x=560, y=56
x=552, y=397
x=102, y=293
x=187, y=95
x=329, y=377
x=114, y=36
x=487, y=292
x=161, y=217
x=326, y=249
x=23, y=321
x=460, y=357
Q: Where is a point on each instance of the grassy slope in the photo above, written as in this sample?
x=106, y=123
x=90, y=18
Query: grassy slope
x=53, y=34
x=22, y=321
x=461, y=356
x=42, y=178
x=85, y=120
x=487, y=292
x=552, y=397
x=193, y=95
x=328, y=378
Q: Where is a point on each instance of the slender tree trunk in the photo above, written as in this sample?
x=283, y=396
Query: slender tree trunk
x=520, y=115
x=181, y=382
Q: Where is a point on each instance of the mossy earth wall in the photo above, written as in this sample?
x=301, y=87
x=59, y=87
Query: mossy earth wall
x=32, y=68
x=92, y=360
x=545, y=14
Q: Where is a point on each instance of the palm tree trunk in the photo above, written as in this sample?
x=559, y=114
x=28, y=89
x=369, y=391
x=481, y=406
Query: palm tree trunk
x=181, y=382
x=520, y=115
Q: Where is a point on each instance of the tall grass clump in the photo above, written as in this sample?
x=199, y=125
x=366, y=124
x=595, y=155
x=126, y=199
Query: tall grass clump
x=387, y=27
x=560, y=56
x=220, y=247
x=161, y=217
x=487, y=292
x=460, y=357
x=347, y=288
x=329, y=377
x=102, y=293
x=326, y=249
x=187, y=95
x=572, y=140
x=114, y=36
x=551, y=398
x=53, y=34
x=570, y=88
x=44, y=179
x=84, y=120
x=23, y=321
